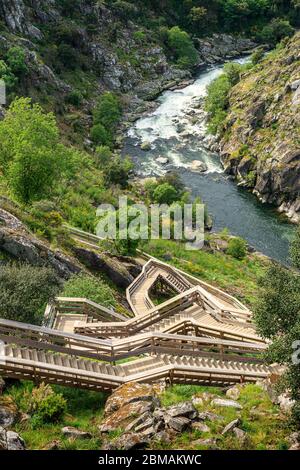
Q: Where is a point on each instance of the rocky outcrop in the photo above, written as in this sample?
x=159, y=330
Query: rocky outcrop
x=17, y=241
x=261, y=145
x=10, y=440
x=221, y=47
x=121, y=270
x=8, y=411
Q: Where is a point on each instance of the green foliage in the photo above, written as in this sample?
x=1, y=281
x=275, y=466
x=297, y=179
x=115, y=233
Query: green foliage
x=182, y=47
x=45, y=405
x=103, y=156
x=101, y=136
x=165, y=194
x=276, y=30
x=108, y=111
x=295, y=250
x=25, y=291
x=91, y=288
x=217, y=102
x=31, y=156
x=7, y=76
x=117, y=171
x=75, y=98
x=237, y=248
x=277, y=318
x=257, y=56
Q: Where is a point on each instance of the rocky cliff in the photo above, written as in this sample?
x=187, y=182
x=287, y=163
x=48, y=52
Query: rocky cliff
x=91, y=47
x=261, y=145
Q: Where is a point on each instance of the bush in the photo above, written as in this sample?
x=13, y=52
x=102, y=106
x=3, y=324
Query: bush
x=101, y=136
x=74, y=97
x=117, y=172
x=45, y=405
x=257, y=56
x=90, y=288
x=103, y=155
x=165, y=194
x=237, y=248
x=108, y=111
x=25, y=291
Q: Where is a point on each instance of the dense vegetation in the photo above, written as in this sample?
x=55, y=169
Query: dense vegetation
x=278, y=319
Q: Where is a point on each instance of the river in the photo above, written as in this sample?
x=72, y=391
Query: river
x=175, y=130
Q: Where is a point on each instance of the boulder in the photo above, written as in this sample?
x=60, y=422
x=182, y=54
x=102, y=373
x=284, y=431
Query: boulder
x=197, y=166
x=185, y=409
x=208, y=416
x=226, y=403
x=131, y=392
x=234, y=392
x=8, y=411
x=123, y=417
x=74, y=433
x=18, y=242
x=241, y=436
x=286, y=403
x=210, y=443
x=230, y=426
x=162, y=160
x=128, y=441
x=198, y=426
x=10, y=440
x=146, y=146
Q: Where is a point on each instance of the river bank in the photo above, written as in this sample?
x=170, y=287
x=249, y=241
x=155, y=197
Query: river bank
x=176, y=133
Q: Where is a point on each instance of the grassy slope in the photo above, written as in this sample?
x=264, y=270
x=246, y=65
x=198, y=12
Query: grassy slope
x=237, y=277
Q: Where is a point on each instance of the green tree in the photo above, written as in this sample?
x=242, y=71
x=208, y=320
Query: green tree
x=108, y=111
x=31, y=156
x=117, y=172
x=25, y=291
x=101, y=136
x=182, y=47
x=16, y=60
x=277, y=316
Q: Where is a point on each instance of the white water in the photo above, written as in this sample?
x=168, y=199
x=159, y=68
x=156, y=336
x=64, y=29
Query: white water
x=229, y=206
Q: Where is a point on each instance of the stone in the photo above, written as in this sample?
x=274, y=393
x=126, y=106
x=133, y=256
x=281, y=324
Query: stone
x=230, y=426
x=162, y=160
x=74, y=433
x=294, y=441
x=125, y=415
x=185, y=409
x=286, y=403
x=10, y=440
x=178, y=423
x=226, y=403
x=197, y=166
x=295, y=85
x=197, y=401
x=241, y=435
x=210, y=443
x=8, y=411
x=208, y=416
x=234, y=392
x=146, y=146
x=53, y=445
x=198, y=426
x=129, y=393
x=128, y=441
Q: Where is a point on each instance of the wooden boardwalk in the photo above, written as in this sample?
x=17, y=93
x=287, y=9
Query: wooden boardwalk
x=199, y=336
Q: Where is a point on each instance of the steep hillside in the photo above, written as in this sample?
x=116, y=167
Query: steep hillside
x=261, y=145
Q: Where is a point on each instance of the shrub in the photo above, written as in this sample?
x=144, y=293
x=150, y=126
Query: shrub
x=25, y=291
x=237, y=248
x=74, y=97
x=103, y=155
x=31, y=156
x=276, y=30
x=117, y=172
x=100, y=135
x=90, y=288
x=45, y=405
x=165, y=194
x=183, y=48
x=107, y=111
x=257, y=56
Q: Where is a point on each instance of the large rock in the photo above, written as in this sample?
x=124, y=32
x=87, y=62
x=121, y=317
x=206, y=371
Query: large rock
x=131, y=392
x=10, y=440
x=74, y=433
x=178, y=423
x=230, y=426
x=16, y=240
x=185, y=409
x=8, y=411
x=128, y=441
x=226, y=403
